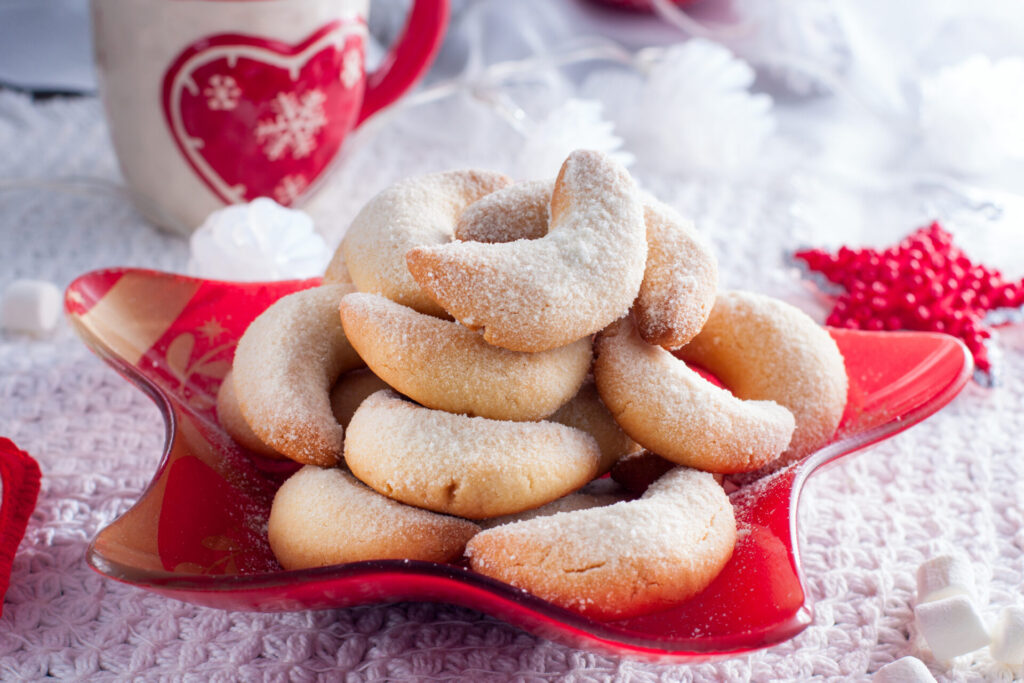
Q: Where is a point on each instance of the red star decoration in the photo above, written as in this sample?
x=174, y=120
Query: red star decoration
x=922, y=283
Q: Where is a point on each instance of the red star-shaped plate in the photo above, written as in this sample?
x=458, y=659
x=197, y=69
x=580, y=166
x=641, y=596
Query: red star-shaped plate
x=923, y=283
x=198, y=532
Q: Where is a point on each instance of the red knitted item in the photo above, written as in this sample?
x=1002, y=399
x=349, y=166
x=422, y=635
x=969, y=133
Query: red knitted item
x=20, y=473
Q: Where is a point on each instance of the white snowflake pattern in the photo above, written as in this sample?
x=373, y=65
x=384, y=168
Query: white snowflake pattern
x=297, y=122
x=351, y=68
x=222, y=93
x=290, y=189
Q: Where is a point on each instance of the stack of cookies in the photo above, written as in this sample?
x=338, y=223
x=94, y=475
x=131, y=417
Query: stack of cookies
x=521, y=341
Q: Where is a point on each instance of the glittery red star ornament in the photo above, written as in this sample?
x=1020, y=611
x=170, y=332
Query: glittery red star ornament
x=923, y=283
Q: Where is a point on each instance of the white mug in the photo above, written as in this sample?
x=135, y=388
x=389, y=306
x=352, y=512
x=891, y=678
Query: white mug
x=213, y=102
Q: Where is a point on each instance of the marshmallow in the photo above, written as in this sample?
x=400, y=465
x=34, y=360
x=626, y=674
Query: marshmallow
x=261, y=240
x=951, y=626
x=32, y=306
x=904, y=670
x=1008, y=637
x=943, y=577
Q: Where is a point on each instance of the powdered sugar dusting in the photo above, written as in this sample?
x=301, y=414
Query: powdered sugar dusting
x=766, y=349
x=588, y=497
x=229, y=414
x=516, y=212
x=322, y=517
x=416, y=211
x=531, y=295
x=469, y=466
x=446, y=366
x=680, y=276
x=670, y=409
x=284, y=367
x=680, y=280
x=623, y=559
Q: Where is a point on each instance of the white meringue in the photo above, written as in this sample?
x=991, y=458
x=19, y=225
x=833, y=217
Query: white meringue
x=261, y=240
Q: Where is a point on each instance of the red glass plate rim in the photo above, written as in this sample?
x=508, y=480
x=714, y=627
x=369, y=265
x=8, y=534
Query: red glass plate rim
x=868, y=437
x=602, y=635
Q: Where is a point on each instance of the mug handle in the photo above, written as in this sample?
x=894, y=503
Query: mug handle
x=408, y=58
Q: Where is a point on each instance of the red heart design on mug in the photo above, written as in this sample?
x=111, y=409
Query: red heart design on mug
x=261, y=118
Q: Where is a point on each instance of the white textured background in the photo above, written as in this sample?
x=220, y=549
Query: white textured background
x=951, y=483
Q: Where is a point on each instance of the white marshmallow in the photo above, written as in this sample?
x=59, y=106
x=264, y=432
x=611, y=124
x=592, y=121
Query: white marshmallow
x=1008, y=637
x=904, y=670
x=32, y=306
x=944, y=576
x=951, y=626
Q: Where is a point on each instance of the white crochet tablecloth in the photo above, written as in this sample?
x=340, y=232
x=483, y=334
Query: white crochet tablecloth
x=951, y=483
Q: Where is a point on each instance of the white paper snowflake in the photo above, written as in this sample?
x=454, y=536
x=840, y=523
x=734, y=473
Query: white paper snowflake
x=295, y=126
x=261, y=240
x=972, y=114
x=576, y=124
x=801, y=42
x=222, y=93
x=694, y=112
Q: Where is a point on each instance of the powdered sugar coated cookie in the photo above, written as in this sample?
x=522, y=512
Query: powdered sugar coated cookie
x=533, y=295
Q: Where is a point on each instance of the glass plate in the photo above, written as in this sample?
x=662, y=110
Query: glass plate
x=198, y=532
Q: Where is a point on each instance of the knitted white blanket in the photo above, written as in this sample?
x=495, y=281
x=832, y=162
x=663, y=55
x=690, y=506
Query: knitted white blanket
x=953, y=482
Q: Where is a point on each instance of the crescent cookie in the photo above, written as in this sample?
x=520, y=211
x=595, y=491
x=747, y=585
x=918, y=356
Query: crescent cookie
x=229, y=414
x=668, y=408
x=285, y=365
x=413, y=212
x=337, y=272
x=534, y=295
x=348, y=392
x=588, y=413
x=516, y=212
x=766, y=349
x=680, y=278
x=595, y=494
x=323, y=516
x=466, y=466
x=621, y=560
x=444, y=365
